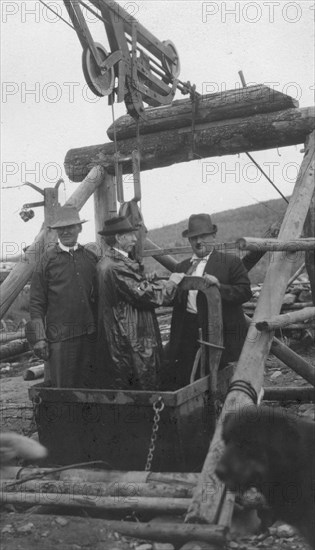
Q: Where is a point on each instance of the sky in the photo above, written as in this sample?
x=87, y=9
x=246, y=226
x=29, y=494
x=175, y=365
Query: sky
x=47, y=109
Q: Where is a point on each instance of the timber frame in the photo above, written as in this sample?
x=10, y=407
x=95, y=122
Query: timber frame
x=286, y=125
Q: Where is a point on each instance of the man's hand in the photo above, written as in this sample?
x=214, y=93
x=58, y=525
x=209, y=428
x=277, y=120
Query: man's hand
x=41, y=349
x=177, y=277
x=211, y=280
x=151, y=276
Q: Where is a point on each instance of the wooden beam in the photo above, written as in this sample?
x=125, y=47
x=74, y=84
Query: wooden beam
x=290, y=393
x=228, y=104
x=103, y=489
x=211, y=139
x=16, y=347
x=6, y=337
x=293, y=360
x=22, y=271
x=250, y=367
x=264, y=245
x=280, y=321
x=164, y=258
x=158, y=504
x=156, y=252
x=296, y=305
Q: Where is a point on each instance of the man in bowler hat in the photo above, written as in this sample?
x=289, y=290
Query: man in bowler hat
x=221, y=269
x=63, y=303
x=128, y=326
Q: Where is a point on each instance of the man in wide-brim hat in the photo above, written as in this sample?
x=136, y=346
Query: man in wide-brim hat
x=129, y=332
x=63, y=306
x=221, y=269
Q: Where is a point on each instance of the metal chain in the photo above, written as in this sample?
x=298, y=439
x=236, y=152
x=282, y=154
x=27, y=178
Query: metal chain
x=158, y=407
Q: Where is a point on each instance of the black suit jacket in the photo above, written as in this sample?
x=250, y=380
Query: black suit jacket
x=234, y=290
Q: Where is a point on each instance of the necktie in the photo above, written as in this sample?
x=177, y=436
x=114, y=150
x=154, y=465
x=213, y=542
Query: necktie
x=193, y=265
x=71, y=252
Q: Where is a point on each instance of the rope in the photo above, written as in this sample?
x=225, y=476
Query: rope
x=244, y=387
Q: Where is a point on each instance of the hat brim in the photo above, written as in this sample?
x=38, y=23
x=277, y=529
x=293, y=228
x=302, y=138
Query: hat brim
x=117, y=231
x=188, y=234
x=66, y=224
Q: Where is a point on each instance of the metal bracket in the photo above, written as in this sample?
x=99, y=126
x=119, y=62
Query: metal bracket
x=33, y=204
x=119, y=161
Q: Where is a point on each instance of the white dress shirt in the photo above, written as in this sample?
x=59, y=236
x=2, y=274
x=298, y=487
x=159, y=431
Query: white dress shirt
x=68, y=248
x=121, y=252
x=197, y=272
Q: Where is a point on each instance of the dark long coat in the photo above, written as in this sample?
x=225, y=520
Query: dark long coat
x=234, y=290
x=128, y=326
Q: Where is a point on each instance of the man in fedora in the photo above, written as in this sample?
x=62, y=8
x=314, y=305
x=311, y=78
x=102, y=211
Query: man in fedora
x=63, y=313
x=221, y=269
x=128, y=325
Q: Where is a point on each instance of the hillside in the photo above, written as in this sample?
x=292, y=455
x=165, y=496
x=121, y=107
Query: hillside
x=250, y=221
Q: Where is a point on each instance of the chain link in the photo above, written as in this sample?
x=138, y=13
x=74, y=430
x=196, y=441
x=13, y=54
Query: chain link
x=158, y=407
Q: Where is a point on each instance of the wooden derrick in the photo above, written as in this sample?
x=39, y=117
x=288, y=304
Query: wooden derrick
x=257, y=345
x=211, y=139
x=228, y=104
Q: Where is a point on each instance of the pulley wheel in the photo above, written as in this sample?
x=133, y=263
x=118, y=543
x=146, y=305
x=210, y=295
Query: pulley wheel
x=173, y=68
x=101, y=83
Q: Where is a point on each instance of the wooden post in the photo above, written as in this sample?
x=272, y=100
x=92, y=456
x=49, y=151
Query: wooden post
x=50, y=204
x=105, y=206
x=22, y=271
x=250, y=367
x=309, y=231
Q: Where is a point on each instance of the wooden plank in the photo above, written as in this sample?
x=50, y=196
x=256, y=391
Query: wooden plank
x=280, y=321
x=257, y=345
x=22, y=271
x=224, y=105
x=212, y=139
x=256, y=244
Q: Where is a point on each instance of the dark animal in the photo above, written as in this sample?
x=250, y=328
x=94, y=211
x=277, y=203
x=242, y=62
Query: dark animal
x=274, y=451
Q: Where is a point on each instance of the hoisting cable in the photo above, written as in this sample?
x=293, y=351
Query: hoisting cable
x=243, y=81
x=266, y=176
x=58, y=15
